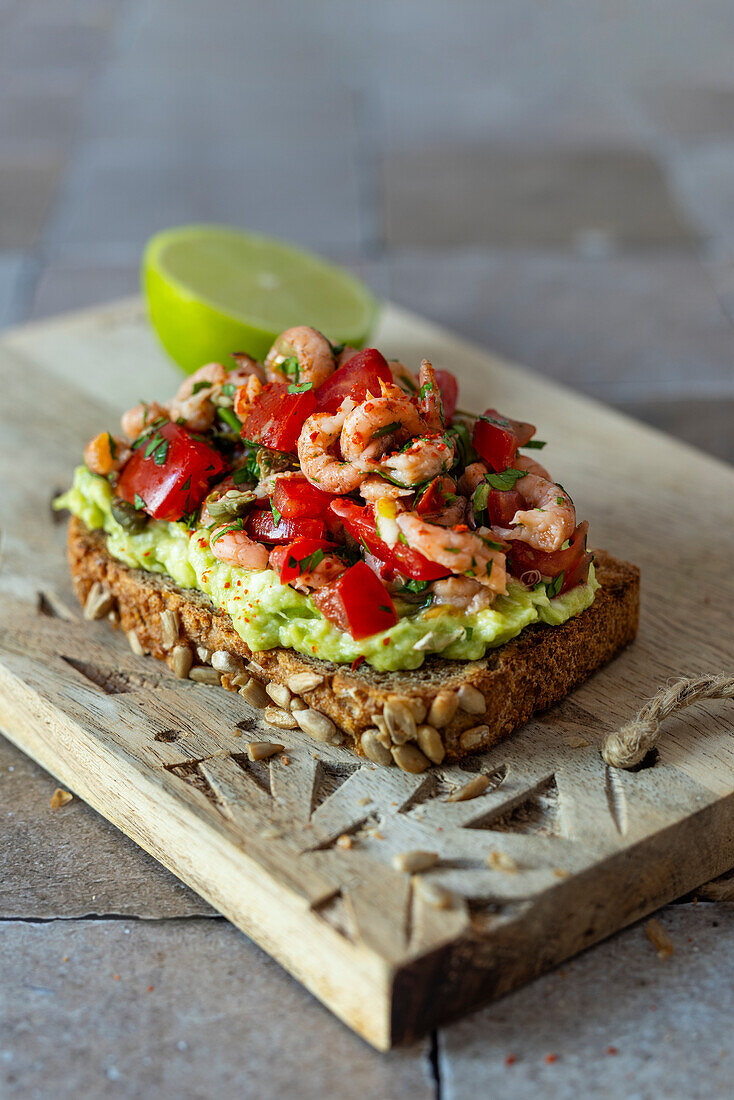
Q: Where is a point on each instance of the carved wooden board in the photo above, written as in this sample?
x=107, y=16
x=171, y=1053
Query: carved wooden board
x=591, y=849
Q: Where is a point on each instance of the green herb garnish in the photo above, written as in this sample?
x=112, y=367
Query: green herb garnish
x=555, y=586
x=535, y=444
x=199, y=386
x=300, y=387
x=505, y=479
x=230, y=419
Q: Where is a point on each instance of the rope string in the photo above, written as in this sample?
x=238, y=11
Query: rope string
x=629, y=745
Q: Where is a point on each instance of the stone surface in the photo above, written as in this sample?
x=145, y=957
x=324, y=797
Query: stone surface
x=222, y=1019
x=616, y=1022
x=70, y=862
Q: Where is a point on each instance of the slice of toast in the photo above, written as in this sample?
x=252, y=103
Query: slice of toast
x=528, y=674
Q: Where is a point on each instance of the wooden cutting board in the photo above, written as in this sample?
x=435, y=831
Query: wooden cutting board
x=299, y=854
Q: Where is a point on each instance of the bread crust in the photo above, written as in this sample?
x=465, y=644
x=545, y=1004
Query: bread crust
x=528, y=674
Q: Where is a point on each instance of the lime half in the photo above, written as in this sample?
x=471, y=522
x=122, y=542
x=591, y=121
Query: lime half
x=212, y=290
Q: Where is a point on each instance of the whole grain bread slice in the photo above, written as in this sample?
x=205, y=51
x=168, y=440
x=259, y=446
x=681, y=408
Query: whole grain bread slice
x=448, y=708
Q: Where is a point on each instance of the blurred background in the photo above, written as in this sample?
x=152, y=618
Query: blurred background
x=553, y=180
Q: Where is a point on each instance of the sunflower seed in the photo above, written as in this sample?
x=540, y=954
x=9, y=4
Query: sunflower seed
x=255, y=668
x=205, y=675
x=471, y=700
x=443, y=709
x=501, y=861
x=113, y=617
x=283, y=719
x=241, y=680
x=426, y=642
x=418, y=708
x=204, y=654
x=373, y=750
x=433, y=894
x=399, y=721
x=414, y=861
x=297, y=704
x=169, y=628
x=409, y=758
x=134, y=643
x=316, y=725
x=279, y=693
x=98, y=602
x=181, y=661
x=223, y=661
x=261, y=750
x=304, y=681
x=474, y=738
x=472, y=789
x=255, y=695
x=429, y=740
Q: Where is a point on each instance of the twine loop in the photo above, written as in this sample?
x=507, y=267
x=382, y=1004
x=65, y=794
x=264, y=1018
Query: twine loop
x=629, y=745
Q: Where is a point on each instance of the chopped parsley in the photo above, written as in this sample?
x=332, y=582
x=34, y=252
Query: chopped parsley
x=290, y=367
x=277, y=516
x=229, y=389
x=506, y=479
x=555, y=586
x=535, y=444
x=560, y=500
x=295, y=387
x=238, y=525
x=386, y=429
x=139, y=502
x=199, y=386
x=230, y=419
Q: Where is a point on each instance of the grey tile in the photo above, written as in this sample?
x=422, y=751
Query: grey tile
x=622, y=329
x=71, y=862
x=464, y=195
x=27, y=186
x=66, y=285
x=221, y=1020
x=616, y=1022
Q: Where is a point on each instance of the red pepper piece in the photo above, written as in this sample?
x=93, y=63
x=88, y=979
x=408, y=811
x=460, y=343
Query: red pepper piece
x=357, y=602
x=360, y=522
x=169, y=474
x=276, y=417
x=359, y=376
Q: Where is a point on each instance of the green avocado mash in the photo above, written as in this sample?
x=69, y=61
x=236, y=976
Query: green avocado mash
x=267, y=613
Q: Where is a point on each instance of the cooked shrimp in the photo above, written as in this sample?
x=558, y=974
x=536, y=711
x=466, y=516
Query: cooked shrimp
x=429, y=398
x=473, y=475
x=530, y=466
x=312, y=350
x=140, y=417
x=463, y=593
x=235, y=547
x=106, y=453
x=246, y=394
x=459, y=551
x=371, y=426
x=246, y=366
x=453, y=511
x=551, y=519
x=423, y=459
x=403, y=376
x=345, y=355
x=375, y=488
x=193, y=402
x=323, y=469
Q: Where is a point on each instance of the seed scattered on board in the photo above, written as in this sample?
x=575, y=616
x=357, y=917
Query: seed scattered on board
x=659, y=938
x=60, y=798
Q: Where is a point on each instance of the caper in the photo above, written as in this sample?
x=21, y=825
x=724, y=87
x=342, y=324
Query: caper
x=130, y=518
x=273, y=462
x=231, y=504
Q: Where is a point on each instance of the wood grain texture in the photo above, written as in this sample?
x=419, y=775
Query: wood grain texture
x=588, y=850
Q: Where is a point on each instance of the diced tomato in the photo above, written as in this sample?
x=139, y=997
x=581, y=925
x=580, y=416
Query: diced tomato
x=449, y=388
x=260, y=525
x=502, y=505
x=573, y=562
x=276, y=416
x=497, y=438
x=432, y=499
x=294, y=497
x=360, y=523
x=169, y=474
x=359, y=376
x=295, y=558
x=357, y=602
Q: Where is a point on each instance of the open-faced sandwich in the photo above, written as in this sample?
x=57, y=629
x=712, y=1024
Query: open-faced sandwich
x=329, y=535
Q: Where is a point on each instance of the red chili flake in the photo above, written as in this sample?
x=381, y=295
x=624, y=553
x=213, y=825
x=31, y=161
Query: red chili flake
x=461, y=527
x=357, y=662
x=612, y=1050
x=115, y=977
x=150, y=988
x=227, y=584
x=510, y=1059
x=551, y=1058
x=386, y=641
x=146, y=554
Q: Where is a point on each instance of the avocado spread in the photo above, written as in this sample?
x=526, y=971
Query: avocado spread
x=266, y=613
